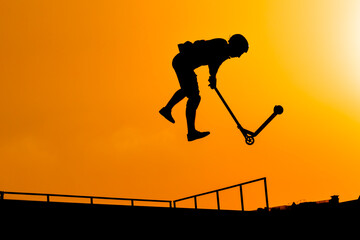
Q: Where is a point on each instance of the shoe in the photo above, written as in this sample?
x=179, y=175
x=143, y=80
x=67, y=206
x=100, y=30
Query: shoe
x=196, y=135
x=167, y=114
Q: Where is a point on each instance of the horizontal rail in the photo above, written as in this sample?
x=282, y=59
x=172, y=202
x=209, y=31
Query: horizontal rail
x=91, y=198
x=218, y=190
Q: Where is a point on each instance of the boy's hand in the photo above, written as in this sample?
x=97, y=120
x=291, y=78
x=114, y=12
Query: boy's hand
x=212, y=81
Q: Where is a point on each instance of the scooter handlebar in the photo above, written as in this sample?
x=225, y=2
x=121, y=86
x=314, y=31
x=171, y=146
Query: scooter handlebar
x=278, y=109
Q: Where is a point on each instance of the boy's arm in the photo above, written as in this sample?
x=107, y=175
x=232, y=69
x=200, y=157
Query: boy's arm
x=213, y=69
x=217, y=47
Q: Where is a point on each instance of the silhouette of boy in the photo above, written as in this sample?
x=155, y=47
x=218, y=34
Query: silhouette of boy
x=191, y=56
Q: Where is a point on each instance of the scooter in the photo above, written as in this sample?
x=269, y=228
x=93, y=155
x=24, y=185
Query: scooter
x=248, y=135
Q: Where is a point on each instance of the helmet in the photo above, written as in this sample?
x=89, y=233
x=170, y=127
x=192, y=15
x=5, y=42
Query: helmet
x=238, y=44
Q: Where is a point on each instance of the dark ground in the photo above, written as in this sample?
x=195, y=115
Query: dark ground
x=75, y=220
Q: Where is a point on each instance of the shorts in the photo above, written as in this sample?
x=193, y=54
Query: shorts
x=186, y=75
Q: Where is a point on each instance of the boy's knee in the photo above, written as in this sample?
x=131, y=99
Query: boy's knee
x=194, y=98
x=197, y=98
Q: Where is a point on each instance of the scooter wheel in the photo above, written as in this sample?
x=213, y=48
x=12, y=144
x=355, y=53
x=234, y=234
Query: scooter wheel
x=249, y=140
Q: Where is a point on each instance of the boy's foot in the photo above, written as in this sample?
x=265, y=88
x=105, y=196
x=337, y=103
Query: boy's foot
x=167, y=114
x=196, y=135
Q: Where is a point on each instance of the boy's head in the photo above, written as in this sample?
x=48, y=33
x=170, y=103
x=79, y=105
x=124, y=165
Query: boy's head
x=237, y=45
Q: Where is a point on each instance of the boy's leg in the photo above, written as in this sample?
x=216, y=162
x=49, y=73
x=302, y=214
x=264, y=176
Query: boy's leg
x=191, y=90
x=191, y=107
x=176, y=98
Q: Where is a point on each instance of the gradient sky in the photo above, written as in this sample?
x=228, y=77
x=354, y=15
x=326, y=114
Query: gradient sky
x=81, y=84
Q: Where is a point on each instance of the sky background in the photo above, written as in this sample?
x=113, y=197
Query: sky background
x=81, y=84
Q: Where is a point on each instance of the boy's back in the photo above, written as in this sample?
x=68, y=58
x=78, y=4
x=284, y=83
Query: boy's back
x=204, y=52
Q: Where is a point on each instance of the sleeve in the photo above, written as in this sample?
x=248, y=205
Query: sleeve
x=214, y=67
x=218, y=49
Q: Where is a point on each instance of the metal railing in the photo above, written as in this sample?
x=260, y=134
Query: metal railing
x=221, y=189
x=91, y=198
x=133, y=200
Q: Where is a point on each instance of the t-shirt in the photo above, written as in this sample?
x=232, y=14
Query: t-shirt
x=211, y=52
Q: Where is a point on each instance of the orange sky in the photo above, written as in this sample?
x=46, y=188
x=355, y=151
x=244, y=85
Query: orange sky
x=81, y=83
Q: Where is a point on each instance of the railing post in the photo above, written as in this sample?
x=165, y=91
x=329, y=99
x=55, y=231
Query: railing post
x=174, y=204
x=266, y=194
x=195, y=203
x=218, y=200
x=1, y=195
x=91, y=200
x=132, y=202
x=241, y=198
x=47, y=197
x=170, y=204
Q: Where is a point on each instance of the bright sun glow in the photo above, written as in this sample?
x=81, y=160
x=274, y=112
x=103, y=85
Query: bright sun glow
x=350, y=41
x=319, y=44
x=346, y=57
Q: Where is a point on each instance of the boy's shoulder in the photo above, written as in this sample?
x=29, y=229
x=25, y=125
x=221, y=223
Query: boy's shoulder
x=217, y=41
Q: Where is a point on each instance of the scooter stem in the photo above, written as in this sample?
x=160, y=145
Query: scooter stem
x=228, y=108
x=243, y=130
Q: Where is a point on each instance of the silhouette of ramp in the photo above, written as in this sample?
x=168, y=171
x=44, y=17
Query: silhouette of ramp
x=81, y=220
